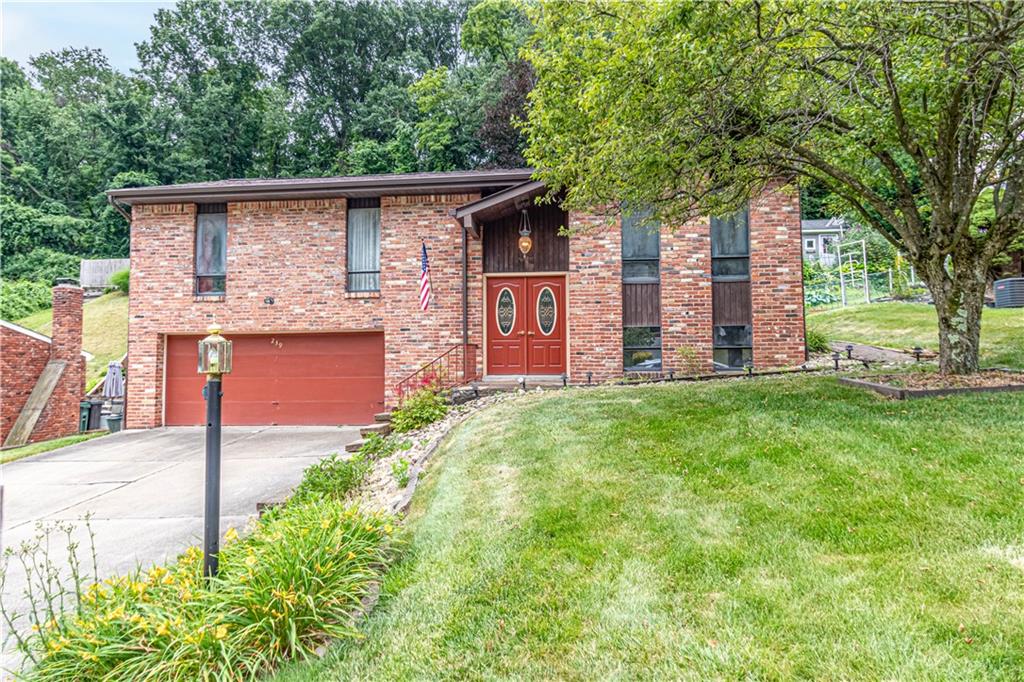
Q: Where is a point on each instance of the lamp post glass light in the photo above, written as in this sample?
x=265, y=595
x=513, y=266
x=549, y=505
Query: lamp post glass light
x=214, y=362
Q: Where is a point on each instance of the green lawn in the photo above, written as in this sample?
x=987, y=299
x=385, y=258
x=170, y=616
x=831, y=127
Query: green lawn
x=7, y=456
x=104, y=331
x=751, y=529
x=905, y=325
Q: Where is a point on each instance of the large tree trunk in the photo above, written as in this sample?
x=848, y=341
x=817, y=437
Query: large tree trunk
x=959, y=298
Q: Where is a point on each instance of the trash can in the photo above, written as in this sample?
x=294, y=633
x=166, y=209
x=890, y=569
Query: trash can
x=83, y=415
x=114, y=422
x=95, y=408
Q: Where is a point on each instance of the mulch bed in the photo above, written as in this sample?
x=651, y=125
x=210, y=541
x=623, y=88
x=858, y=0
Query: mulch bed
x=929, y=384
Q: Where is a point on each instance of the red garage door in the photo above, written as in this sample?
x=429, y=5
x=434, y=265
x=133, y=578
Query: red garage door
x=283, y=379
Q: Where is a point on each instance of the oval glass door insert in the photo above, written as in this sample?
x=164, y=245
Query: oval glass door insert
x=505, y=311
x=546, y=309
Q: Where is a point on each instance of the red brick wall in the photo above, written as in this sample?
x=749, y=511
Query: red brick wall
x=595, y=298
x=294, y=251
x=413, y=337
x=776, y=278
x=686, y=298
x=22, y=359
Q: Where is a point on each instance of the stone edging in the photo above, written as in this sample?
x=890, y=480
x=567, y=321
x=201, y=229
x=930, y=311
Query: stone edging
x=898, y=393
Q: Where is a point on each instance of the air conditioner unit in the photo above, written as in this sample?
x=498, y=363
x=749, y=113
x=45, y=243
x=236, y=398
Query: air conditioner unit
x=1010, y=292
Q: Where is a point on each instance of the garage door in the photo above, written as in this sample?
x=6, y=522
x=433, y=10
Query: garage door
x=283, y=379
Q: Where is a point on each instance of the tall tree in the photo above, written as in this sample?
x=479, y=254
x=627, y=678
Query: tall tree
x=907, y=111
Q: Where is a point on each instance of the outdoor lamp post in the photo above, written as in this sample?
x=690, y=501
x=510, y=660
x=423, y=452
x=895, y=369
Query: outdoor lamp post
x=214, y=362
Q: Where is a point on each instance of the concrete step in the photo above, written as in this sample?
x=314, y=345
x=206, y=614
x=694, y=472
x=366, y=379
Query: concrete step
x=382, y=429
x=382, y=417
x=355, y=445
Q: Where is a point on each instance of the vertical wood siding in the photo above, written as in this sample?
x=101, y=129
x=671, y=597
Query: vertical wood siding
x=550, y=251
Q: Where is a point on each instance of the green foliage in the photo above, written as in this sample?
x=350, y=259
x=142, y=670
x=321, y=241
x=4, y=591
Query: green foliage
x=817, y=340
x=285, y=589
x=380, y=447
x=695, y=108
x=418, y=410
x=120, y=280
x=881, y=254
x=23, y=298
x=41, y=265
x=400, y=470
x=331, y=478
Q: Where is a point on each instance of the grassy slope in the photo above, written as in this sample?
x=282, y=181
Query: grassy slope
x=905, y=325
x=104, y=331
x=7, y=456
x=766, y=529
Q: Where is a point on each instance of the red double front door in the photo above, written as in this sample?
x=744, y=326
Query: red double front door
x=526, y=325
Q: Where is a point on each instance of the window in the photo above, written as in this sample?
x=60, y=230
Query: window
x=641, y=277
x=641, y=349
x=808, y=245
x=211, y=249
x=732, y=326
x=640, y=247
x=364, y=245
x=730, y=248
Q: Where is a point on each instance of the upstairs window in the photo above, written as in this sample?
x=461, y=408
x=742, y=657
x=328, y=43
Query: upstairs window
x=730, y=248
x=364, y=244
x=211, y=249
x=640, y=247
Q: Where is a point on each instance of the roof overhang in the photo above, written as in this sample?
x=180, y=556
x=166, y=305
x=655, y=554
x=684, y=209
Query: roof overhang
x=514, y=198
x=319, y=188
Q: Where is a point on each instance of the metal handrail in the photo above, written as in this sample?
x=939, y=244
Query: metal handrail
x=454, y=367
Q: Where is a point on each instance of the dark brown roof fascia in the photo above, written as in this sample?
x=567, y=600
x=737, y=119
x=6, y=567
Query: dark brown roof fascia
x=311, y=188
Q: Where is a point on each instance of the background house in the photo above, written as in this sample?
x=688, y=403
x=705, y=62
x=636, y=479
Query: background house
x=820, y=238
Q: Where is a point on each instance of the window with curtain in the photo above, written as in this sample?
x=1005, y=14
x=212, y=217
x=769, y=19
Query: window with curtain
x=364, y=245
x=211, y=249
x=641, y=292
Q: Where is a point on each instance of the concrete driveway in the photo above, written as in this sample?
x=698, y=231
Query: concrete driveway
x=145, y=489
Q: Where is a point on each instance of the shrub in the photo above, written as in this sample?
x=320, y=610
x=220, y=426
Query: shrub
x=331, y=478
x=291, y=585
x=400, y=470
x=418, y=410
x=294, y=583
x=817, y=341
x=120, y=280
x=379, y=447
x=23, y=298
x=41, y=265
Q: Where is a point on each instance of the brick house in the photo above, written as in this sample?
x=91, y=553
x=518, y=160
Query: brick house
x=42, y=378
x=317, y=283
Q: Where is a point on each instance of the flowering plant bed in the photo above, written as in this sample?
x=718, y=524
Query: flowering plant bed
x=930, y=384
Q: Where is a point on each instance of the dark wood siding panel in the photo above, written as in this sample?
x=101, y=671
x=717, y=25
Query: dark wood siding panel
x=730, y=302
x=641, y=305
x=550, y=251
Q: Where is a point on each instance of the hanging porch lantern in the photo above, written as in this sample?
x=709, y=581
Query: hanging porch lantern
x=525, y=240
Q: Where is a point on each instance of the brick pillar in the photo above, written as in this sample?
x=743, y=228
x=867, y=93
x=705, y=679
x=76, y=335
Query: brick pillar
x=686, y=297
x=776, y=278
x=595, y=298
x=67, y=323
x=60, y=417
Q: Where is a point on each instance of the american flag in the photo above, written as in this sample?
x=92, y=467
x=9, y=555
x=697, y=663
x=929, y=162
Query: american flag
x=424, y=280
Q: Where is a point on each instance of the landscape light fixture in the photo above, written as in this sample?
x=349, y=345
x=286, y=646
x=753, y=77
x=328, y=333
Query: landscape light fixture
x=917, y=353
x=849, y=351
x=835, y=360
x=214, y=362
x=749, y=367
x=525, y=240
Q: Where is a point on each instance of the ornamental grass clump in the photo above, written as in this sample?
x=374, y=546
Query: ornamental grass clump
x=297, y=581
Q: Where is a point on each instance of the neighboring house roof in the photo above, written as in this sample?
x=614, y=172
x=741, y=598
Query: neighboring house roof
x=35, y=335
x=310, y=188
x=823, y=225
